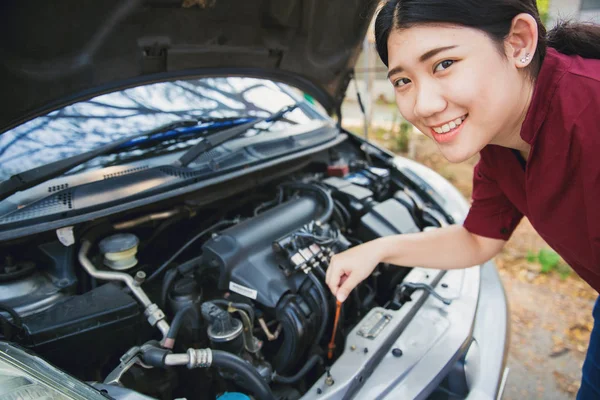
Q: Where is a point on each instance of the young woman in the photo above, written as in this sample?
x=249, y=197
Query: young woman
x=484, y=77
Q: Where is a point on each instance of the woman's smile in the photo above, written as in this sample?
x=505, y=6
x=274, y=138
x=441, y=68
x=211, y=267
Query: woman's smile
x=447, y=131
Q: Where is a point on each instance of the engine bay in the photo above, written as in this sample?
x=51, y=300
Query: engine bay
x=200, y=299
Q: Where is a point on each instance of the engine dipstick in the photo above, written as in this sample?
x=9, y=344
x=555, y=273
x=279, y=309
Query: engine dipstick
x=338, y=307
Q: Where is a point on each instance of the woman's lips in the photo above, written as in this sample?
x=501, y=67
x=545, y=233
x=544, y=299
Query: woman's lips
x=448, y=136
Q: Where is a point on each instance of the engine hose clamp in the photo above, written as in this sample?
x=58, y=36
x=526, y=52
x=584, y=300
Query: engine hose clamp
x=199, y=358
x=154, y=314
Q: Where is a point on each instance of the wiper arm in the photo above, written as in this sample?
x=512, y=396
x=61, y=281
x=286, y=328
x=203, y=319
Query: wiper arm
x=218, y=138
x=35, y=176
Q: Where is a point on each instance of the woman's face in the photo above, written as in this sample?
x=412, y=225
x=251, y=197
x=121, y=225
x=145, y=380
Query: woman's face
x=455, y=86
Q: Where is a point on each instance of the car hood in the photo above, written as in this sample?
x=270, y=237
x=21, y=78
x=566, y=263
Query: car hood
x=57, y=52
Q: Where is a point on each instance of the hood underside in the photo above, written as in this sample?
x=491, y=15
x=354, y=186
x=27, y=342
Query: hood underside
x=57, y=52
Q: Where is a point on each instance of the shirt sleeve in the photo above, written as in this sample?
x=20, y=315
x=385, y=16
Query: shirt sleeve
x=492, y=214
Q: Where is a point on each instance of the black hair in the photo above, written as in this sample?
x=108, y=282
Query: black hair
x=494, y=17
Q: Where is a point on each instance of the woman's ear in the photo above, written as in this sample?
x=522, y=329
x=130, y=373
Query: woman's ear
x=522, y=39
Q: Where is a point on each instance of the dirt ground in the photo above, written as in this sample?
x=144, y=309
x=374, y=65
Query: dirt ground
x=550, y=312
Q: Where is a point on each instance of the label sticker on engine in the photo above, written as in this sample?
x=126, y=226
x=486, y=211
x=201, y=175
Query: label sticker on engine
x=243, y=290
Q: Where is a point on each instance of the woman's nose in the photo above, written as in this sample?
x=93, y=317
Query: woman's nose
x=429, y=101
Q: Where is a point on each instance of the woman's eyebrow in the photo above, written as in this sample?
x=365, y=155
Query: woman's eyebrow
x=395, y=70
x=426, y=56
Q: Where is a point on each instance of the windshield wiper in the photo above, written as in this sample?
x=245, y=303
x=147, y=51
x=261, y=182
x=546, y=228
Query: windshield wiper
x=35, y=176
x=220, y=137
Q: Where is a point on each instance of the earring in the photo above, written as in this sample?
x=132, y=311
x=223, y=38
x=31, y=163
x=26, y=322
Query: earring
x=525, y=59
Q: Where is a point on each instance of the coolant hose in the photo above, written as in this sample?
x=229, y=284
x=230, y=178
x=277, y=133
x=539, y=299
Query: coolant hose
x=247, y=372
x=177, y=322
x=325, y=308
x=325, y=196
x=295, y=378
x=320, y=271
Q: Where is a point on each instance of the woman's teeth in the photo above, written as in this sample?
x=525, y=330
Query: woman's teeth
x=450, y=125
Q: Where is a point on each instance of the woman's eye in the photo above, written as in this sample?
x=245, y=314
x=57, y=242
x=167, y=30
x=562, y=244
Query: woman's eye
x=443, y=65
x=401, y=82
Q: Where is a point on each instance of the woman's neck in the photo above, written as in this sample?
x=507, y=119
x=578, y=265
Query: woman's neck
x=512, y=136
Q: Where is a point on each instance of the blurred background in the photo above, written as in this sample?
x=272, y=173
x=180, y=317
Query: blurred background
x=550, y=305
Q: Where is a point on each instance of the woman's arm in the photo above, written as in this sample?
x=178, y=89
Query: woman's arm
x=444, y=248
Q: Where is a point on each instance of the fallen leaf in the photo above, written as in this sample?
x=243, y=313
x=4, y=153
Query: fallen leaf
x=559, y=351
x=566, y=383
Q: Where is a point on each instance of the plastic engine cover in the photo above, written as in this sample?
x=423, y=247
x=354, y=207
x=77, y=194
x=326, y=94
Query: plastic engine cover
x=387, y=218
x=245, y=256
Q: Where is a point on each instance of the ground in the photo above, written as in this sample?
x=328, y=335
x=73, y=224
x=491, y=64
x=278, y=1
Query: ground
x=550, y=312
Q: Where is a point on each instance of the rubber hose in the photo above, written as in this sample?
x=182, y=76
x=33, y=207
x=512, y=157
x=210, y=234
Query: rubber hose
x=320, y=271
x=248, y=373
x=168, y=282
x=344, y=212
x=337, y=215
x=164, y=265
x=325, y=308
x=178, y=320
x=325, y=196
x=295, y=378
x=241, y=306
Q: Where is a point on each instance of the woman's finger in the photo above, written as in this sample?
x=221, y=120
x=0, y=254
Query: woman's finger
x=334, y=279
x=350, y=283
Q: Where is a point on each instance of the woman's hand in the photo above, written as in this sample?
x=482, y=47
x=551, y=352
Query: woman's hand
x=346, y=270
x=431, y=249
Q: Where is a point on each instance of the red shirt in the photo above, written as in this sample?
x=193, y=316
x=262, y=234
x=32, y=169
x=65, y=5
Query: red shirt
x=559, y=187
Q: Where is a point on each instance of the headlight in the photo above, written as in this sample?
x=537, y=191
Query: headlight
x=28, y=377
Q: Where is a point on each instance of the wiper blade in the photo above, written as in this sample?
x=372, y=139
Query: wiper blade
x=218, y=138
x=204, y=125
x=35, y=176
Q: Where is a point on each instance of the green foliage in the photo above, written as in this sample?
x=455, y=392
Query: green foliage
x=549, y=261
x=403, y=137
x=531, y=256
x=543, y=7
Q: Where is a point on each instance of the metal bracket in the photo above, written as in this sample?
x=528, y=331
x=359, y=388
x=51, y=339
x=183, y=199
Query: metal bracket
x=128, y=360
x=426, y=287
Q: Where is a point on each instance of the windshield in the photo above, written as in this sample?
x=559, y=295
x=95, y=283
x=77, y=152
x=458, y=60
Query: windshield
x=86, y=125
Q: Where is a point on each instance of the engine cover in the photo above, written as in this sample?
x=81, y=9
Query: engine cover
x=244, y=253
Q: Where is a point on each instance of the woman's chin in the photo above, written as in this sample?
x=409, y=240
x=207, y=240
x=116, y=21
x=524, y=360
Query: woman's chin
x=456, y=154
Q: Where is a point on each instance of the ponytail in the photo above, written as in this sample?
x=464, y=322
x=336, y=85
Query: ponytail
x=575, y=38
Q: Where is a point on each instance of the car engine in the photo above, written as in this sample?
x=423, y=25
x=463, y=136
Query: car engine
x=201, y=299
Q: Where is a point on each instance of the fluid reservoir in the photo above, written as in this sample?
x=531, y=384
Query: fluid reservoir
x=233, y=396
x=119, y=251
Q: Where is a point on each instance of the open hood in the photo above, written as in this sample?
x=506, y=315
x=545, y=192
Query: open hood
x=56, y=52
